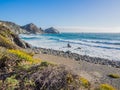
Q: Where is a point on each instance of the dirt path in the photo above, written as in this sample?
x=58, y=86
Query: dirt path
x=93, y=72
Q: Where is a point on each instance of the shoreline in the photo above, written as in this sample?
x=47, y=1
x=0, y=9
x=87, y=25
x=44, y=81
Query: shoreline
x=77, y=57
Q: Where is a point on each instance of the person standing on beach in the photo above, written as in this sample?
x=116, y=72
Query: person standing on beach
x=68, y=45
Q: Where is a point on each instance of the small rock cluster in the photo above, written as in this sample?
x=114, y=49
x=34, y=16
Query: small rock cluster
x=78, y=57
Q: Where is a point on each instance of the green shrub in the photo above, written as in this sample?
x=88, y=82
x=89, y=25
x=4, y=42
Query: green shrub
x=27, y=59
x=106, y=87
x=44, y=64
x=114, y=75
x=29, y=82
x=24, y=67
x=84, y=82
x=11, y=83
x=69, y=78
x=1, y=83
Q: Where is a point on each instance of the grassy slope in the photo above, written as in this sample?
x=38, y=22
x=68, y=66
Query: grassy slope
x=5, y=36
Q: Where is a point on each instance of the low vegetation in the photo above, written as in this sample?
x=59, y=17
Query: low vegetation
x=25, y=72
x=46, y=64
x=5, y=38
x=27, y=59
x=106, y=87
x=114, y=75
x=55, y=78
x=84, y=82
x=6, y=43
x=11, y=83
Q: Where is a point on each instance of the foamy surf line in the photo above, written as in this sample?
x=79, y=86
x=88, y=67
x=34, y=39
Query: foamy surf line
x=80, y=45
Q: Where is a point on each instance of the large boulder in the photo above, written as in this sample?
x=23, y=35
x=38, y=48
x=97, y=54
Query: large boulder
x=52, y=30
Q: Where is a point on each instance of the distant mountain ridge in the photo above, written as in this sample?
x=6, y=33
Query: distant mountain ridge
x=27, y=29
x=51, y=30
x=32, y=28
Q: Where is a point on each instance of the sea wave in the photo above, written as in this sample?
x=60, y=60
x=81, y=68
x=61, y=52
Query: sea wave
x=108, y=44
x=103, y=42
x=109, y=49
x=30, y=36
x=92, y=43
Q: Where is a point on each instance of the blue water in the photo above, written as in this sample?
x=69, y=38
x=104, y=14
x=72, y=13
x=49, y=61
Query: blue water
x=105, y=45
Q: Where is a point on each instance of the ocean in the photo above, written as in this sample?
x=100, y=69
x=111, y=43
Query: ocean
x=103, y=45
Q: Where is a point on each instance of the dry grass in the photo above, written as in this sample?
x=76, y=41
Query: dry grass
x=55, y=78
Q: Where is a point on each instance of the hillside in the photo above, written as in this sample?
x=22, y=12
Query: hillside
x=9, y=39
x=13, y=27
x=20, y=70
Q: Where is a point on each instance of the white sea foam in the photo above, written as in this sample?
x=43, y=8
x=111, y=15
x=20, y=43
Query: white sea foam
x=88, y=47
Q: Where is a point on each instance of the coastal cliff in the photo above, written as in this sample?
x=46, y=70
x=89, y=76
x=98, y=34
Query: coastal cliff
x=13, y=27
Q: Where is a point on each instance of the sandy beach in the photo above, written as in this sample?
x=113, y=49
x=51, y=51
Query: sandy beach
x=93, y=72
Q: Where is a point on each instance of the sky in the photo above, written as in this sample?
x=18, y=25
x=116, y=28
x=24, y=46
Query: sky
x=65, y=15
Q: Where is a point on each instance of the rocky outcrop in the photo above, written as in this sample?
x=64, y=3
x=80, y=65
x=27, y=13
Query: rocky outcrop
x=13, y=27
x=9, y=39
x=27, y=29
x=20, y=42
x=52, y=30
x=78, y=57
x=32, y=28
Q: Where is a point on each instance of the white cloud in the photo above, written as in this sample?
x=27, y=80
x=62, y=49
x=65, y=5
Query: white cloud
x=89, y=29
